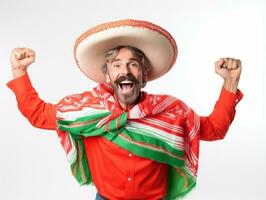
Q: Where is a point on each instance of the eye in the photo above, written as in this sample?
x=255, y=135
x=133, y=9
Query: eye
x=116, y=65
x=134, y=64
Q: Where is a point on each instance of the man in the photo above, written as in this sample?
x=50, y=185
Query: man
x=130, y=144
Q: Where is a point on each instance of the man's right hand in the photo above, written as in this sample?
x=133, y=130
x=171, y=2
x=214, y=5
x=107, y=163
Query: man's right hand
x=20, y=59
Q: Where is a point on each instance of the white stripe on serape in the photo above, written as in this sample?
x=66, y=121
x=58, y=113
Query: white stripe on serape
x=164, y=124
x=146, y=130
x=73, y=115
x=135, y=112
x=158, y=109
x=72, y=154
x=195, y=129
x=191, y=156
x=190, y=170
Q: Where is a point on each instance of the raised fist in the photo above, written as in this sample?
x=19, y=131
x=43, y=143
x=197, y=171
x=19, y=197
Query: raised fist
x=228, y=68
x=21, y=58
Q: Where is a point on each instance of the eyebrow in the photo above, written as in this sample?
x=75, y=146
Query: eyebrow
x=131, y=59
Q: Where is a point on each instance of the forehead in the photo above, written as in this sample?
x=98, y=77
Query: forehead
x=121, y=54
x=125, y=53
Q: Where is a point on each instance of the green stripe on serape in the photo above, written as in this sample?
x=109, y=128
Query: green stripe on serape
x=152, y=133
x=85, y=131
x=145, y=136
x=118, y=122
x=80, y=168
x=180, y=183
x=143, y=151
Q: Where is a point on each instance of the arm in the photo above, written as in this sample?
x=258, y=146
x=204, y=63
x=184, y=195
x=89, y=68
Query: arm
x=215, y=126
x=39, y=113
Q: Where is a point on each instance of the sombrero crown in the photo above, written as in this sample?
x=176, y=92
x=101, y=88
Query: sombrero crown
x=155, y=42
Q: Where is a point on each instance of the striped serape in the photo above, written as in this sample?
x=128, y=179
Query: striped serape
x=159, y=127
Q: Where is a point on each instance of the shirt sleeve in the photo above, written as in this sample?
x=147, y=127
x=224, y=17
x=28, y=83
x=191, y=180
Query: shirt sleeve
x=39, y=113
x=215, y=126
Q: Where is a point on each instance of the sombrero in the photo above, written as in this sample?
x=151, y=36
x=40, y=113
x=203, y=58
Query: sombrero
x=156, y=43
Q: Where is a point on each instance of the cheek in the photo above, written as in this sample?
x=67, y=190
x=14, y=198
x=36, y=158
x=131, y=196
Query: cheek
x=137, y=73
x=111, y=75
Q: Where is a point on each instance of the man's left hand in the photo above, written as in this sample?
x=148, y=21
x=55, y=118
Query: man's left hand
x=229, y=69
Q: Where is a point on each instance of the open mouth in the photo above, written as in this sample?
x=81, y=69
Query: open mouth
x=126, y=86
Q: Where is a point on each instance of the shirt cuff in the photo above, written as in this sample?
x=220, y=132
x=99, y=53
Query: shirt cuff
x=230, y=99
x=20, y=85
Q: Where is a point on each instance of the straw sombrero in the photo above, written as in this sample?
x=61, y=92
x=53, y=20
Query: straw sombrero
x=156, y=43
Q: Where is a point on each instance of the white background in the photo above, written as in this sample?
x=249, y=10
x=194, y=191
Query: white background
x=32, y=162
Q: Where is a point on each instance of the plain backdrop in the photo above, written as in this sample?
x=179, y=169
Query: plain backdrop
x=32, y=163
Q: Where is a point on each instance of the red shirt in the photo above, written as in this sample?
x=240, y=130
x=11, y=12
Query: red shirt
x=117, y=173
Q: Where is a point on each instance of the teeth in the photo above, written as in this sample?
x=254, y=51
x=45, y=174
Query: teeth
x=125, y=82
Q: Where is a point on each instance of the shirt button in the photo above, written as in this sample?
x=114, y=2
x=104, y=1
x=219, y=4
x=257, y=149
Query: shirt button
x=130, y=155
x=129, y=178
x=236, y=100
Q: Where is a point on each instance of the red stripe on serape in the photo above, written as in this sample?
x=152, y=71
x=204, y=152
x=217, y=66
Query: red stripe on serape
x=65, y=141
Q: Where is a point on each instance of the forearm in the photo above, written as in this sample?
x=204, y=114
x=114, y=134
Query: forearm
x=216, y=125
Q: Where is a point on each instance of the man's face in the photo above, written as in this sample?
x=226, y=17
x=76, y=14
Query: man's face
x=124, y=72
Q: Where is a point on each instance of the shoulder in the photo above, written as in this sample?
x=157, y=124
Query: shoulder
x=167, y=104
x=91, y=98
x=166, y=100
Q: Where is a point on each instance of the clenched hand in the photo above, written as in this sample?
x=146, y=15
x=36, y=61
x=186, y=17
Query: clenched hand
x=230, y=70
x=20, y=59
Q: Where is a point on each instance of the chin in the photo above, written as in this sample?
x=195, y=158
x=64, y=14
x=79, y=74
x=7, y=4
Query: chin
x=128, y=99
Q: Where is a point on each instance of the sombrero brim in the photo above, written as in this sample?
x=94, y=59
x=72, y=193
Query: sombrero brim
x=156, y=43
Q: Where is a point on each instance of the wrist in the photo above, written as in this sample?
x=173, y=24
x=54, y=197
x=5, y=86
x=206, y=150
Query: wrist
x=18, y=72
x=231, y=85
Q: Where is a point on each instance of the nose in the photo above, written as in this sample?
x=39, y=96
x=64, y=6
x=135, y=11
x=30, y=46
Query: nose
x=125, y=69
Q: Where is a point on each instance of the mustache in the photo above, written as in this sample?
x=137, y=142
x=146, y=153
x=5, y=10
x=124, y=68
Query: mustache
x=129, y=77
